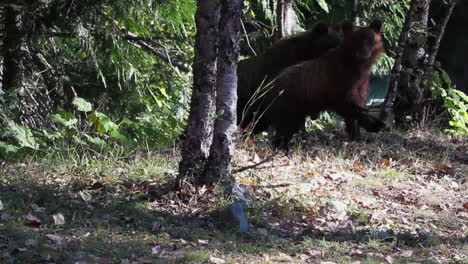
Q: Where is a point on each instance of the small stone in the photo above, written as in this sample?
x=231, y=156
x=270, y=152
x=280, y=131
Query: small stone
x=234, y=214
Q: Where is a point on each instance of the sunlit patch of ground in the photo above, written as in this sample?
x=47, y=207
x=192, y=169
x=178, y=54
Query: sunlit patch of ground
x=389, y=199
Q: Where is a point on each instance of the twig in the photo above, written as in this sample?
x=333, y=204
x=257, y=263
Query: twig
x=247, y=38
x=259, y=186
x=255, y=165
x=440, y=33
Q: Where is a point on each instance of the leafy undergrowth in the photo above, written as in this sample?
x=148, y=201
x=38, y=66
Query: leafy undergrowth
x=389, y=199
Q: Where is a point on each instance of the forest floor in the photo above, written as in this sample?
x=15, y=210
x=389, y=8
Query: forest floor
x=393, y=198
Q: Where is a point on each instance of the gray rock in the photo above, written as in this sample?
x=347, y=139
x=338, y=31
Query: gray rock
x=233, y=214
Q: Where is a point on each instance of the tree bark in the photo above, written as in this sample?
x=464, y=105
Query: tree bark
x=409, y=96
x=283, y=18
x=12, y=59
x=354, y=17
x=199, y=131
x=387, y=106
x=222, y=148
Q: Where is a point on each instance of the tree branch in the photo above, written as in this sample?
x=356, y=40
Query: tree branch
x=142, y=43
x=440, y=33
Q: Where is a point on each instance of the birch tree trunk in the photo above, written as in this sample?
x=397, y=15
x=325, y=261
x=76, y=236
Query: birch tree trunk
x=199, y=131
x=284, y=18
x=409, y=96
x=222, y=148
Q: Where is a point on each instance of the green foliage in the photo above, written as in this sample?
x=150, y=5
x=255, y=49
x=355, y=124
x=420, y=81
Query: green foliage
x=97, y=132
x=82, y=105
x=323, y=5
x=22, y=135
x=455, y=101
x=130, y=59
x=326, y=120
x=64, y=119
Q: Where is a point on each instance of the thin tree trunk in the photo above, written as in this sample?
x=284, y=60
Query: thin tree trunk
x=354, y=12
x=12, y=59
x=387, y=106
x=440, y=33
x=283, y=18
x=199, y=131
x=429, y=66
x=222, y=148
x=409, y=97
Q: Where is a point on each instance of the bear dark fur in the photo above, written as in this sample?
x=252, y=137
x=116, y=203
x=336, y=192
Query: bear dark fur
x=338, y=81
x=260, y=70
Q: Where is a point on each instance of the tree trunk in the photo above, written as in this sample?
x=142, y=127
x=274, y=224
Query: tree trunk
x=388, y=104
x=354, y=17
x=284, y=19
x=12, y=58
x=222, y=148
x=408, y=101
x=439, y=34
x=199, y=131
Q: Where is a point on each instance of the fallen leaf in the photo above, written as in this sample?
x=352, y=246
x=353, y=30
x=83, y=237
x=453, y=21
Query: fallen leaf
x=157, y=250
x=59, y=219
x=407, y=162
x=85, y=196
x=303, y=257
x=406, y=253
x=250, y=143
x=389, y=259
x=357, y=163
x=465, y=205
x=54, y=238
x=32, y=220
x=216, y=260
x=385, y=162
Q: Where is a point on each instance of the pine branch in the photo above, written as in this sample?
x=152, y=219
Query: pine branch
x=143, y=43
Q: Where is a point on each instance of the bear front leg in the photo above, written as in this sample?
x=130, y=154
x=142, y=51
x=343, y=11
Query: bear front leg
x=286, y=130
x=353, y=129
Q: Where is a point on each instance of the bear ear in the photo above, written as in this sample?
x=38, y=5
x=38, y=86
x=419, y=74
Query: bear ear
x=376, y=25
x=347, y=26
x=321, y=28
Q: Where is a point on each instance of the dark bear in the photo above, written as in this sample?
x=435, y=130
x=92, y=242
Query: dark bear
x=260, y=70
x=338, y=81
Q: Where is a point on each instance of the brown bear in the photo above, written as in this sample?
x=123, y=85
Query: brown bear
x=338, y=81
x=260, y=70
